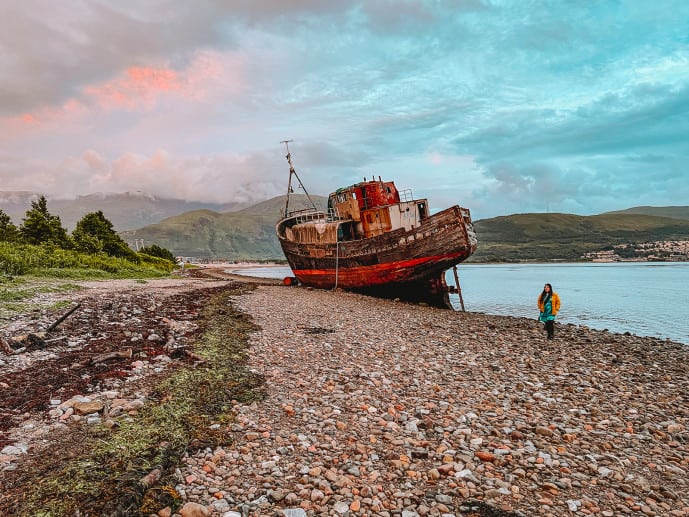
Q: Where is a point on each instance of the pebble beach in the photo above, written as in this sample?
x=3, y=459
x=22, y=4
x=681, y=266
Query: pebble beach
x=381, y=408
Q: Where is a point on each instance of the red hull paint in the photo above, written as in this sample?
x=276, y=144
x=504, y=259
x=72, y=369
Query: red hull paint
x=367, y=276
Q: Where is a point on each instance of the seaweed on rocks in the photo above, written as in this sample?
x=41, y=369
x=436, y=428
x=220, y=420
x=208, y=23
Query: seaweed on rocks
x=124, y=464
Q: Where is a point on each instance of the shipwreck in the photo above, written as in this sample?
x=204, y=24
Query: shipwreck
x=376, y=240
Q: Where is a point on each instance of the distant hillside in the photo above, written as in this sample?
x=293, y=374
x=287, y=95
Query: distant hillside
x=547, y=237
x=249, y=233
x=676, y=212
x=243, y=235
x=126, y=211
x=274, y=206
x=514, y=237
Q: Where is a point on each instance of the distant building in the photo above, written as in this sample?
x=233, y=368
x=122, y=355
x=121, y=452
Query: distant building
x=671, y=251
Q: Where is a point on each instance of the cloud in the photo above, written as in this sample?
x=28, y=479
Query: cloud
x=220, y=179
x=138, y=86
x=584, y=104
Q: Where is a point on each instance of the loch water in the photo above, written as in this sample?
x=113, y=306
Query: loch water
x=643, y=298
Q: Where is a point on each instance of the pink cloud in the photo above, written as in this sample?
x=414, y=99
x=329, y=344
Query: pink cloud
x=29, y=119
x=138, y=87
x=145, y=87
x=208, y=77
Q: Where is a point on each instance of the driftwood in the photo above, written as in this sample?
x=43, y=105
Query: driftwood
x=35, y=342
x=27, y=342
x=179, y=352
x=63, y=317
x=53, y=340
x=5, y=347
x=124, y=354
x=150, y=479
x=193, y=356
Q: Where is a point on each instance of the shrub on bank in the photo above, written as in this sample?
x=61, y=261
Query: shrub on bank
x=52, y=261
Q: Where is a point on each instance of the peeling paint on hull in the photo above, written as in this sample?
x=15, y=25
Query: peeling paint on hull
x=409, y=265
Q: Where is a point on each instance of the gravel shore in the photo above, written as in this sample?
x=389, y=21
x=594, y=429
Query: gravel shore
x=380, y=408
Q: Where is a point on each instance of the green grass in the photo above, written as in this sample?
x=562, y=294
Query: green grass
x=26, y=271
x=102, y=476
x=51, y=262
x=14, y=292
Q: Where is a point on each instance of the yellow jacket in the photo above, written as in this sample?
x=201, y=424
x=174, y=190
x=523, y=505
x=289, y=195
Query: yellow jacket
x=554, y=302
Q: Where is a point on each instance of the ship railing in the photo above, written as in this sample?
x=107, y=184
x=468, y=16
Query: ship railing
x=406, y=195
x=333, y=214
x=300, y=211
x=306, y=215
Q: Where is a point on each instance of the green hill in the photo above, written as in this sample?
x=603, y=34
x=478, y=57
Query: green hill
x=273, y=207
x=247, y=234
x=676, y=212
x=548, y=237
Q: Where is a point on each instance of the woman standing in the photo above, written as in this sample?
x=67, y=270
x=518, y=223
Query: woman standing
x=548, y=304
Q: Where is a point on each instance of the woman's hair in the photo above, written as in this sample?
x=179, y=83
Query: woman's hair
x=543, y=294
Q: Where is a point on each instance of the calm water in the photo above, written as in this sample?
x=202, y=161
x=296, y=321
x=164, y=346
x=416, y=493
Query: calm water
x=647, y=299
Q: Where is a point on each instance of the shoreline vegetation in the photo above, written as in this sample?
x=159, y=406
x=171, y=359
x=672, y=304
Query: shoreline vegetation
x=331, y=403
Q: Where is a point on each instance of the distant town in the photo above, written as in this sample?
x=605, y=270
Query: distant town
x=668, y=251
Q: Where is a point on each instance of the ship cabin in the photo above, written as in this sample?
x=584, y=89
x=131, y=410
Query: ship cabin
x=371, y=208
x=360, y=211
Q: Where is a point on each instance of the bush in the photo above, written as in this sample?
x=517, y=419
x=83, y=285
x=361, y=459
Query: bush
x=8, y=231
x=94, y=232
x=52, y=261
x=40, y=226
x=157, y=262
x=157, y=251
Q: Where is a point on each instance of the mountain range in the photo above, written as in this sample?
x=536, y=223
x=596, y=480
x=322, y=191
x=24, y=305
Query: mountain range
x=126, y=211
x=246, y=234
x=240, y=232
x=250, y=233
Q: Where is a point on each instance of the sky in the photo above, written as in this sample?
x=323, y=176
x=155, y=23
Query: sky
x=503, y=107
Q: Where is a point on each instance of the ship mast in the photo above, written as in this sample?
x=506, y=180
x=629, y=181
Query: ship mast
x=289, y=183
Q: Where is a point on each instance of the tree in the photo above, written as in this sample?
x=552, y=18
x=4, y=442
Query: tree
x=8, y=231
x=94, y=233
x=86, y=243
x=157, y=251
x=40, y=226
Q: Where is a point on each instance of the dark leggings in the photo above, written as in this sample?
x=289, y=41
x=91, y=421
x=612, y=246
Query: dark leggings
x=550, y=328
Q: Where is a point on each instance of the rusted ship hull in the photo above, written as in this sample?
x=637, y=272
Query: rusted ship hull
x=404, y=264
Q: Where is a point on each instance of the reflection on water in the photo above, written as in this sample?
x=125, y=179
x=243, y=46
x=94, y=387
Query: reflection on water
x=647, y=299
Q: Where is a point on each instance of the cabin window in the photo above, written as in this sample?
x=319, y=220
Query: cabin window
x=388, y=189
x=353, y=195
x=369, y=218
